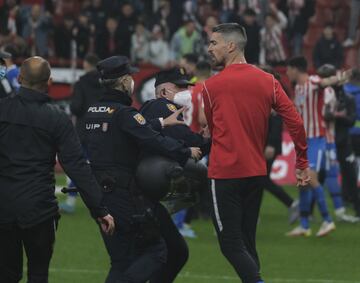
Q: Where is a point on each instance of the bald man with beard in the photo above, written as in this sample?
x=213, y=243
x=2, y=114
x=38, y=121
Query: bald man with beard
x=32, y=133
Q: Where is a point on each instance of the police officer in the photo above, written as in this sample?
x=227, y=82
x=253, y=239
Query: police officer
x=32, y=133
x=171, y=91
x=5, y=87
x=116, y=135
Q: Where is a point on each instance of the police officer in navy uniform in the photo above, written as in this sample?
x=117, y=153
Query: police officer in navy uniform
x=172, y=94
x=116, y=135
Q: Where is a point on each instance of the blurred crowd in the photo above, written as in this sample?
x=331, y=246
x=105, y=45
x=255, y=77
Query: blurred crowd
x=160, y=32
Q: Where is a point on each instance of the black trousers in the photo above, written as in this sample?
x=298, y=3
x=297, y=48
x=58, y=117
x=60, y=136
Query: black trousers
x=348, y=168
x=236, y=205
x=131, y=260
x=159, y=261
x=275, y=189
x=177, y=249
x=38, y=242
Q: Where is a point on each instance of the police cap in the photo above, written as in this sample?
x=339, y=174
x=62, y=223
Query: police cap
x=175, y=75
x=115, y=67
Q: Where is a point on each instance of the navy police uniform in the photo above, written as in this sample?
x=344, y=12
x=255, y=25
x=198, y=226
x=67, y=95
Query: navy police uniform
x=116, y=134
x=163, y=107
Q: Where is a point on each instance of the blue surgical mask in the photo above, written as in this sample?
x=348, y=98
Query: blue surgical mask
x=2, y=72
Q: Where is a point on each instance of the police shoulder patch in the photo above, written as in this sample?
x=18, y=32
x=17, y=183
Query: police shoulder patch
x=140, y=119
x=171, y=107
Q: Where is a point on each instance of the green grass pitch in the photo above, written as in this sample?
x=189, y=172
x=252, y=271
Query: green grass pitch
x=80, y=255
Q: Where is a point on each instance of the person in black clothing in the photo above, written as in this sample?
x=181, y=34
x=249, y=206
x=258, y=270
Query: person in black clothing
x=252, y=48
x=86, y=92
x=272, y=150
x=328, y=49
x=171, y=91
x=344, y=116
x=116, y=136
x=32, y=133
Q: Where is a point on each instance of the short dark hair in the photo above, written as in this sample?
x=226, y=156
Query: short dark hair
x=298, y=62
x=231, y=29
x=91, y=59
x=326, y=70
x=12, y=50
x=191, y=58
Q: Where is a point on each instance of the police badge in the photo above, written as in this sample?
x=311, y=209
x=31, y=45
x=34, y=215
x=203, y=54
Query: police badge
x=140, y=119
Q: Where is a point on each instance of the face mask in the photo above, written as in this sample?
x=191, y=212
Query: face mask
x=183, y=98
x=2, y=72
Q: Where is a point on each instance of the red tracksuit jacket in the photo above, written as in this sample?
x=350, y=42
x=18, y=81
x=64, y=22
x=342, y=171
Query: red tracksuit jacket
x=238, y=102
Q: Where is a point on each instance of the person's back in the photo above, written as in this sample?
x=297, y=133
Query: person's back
x=240, y=121
x=28, y=127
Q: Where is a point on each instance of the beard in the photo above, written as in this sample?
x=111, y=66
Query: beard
x=217, y=63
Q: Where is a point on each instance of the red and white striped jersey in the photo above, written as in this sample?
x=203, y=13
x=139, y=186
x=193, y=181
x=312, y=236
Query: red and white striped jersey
x=330, y=103
x=309, y=100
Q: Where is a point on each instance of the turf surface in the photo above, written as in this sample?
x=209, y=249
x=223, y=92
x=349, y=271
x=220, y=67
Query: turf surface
x=80, y=255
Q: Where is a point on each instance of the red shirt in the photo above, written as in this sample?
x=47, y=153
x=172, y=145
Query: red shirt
x=238, y=102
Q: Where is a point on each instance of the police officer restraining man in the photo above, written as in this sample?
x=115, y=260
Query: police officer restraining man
x=172, y=94
x=32, y=133
x=116, y=136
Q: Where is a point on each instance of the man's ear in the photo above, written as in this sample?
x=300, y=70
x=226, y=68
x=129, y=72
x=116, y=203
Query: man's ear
x=50, y=81
x=231, y=46
x=163, y=93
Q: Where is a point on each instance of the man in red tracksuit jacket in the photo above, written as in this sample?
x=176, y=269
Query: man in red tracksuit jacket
x=238, y=103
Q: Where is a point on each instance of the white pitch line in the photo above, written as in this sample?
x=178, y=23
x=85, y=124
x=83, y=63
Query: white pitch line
x=214, y=277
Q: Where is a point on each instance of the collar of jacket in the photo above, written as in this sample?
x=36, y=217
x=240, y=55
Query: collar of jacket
x=33, y=95
x=117, y=96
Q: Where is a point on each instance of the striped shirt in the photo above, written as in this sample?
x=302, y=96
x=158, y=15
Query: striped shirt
x=309, y=100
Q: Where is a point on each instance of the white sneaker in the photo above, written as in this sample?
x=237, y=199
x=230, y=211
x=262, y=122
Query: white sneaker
x=299, y=232
x=326, y=228
x=343, y=217
x=348, y=43
x=187, y=232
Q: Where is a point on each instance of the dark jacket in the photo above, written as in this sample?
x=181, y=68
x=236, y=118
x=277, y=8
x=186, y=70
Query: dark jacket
x=343, y=124
x=86, y=92
x=163, y=108
x=275, y=133
x=33, y=132
x=117, y=134
x=328, y=52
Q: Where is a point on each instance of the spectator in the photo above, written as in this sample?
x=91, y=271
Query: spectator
x=188, y=62
x=261, y=8
x=353, y=23
x=10, y=24
x=127, y=21
x=83, y=33
x=252, y=48
x=271, y=47
x=96, y=14
x=63, y=36
x=108, y=41
x=36, y=30
x=299, y=13
x=328, y=49
x=159, y=50
x=12, y=72
x=185, y=40
x=140, y=44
